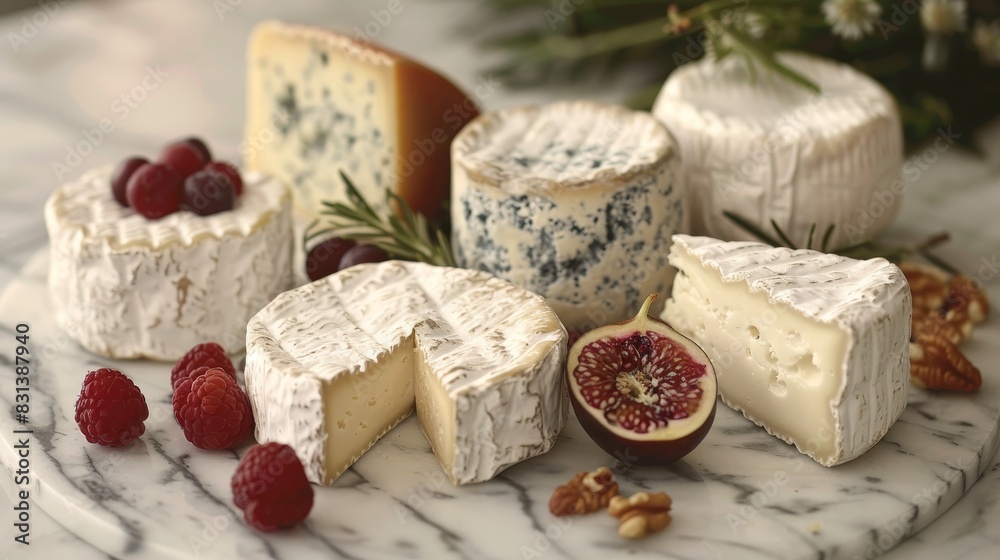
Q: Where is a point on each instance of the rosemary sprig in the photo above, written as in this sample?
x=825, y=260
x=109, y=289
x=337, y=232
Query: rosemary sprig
x=408, y=236
x=863, y=250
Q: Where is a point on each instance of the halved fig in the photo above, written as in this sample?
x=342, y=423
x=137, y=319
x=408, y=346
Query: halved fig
x=642, y=391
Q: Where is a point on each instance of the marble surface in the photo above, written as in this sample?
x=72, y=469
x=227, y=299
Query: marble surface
x=71, y=73
x=741, y=494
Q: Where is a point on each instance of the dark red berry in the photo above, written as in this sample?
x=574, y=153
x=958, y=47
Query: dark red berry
x=121, y=175
x=362, y=254
x=183, y=158
x=208, y=192
x=324, y=259
x=110, y=409
x=209, y=355
x=212, y=409
x=154, y=191
x=200, y=145
x=230, y=171
x=271, y=487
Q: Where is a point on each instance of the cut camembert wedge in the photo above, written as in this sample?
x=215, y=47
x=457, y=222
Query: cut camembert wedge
x=334, y=365
x=811, y=346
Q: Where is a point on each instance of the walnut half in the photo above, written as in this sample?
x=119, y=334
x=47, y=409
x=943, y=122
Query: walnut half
x=585, y=493
x=641, y=514
x=937, y=364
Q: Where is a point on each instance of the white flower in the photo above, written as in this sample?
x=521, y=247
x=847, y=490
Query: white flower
x=986, y=37
x=851, y=19
x=943, y=17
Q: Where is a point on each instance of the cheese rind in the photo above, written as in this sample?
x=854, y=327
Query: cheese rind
x=124, y=286
x=769, y=149
x=320, y=103
x=813, y=347
x=575, y=201
x=333, y=365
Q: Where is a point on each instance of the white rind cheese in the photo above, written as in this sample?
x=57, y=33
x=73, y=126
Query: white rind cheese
x=768, y=149
x=813, y=347
x=575, y=201
x=124, y=286
x=334, y=365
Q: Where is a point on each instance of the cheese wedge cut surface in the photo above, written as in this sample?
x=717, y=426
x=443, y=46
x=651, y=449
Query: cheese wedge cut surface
x=334, y=365
x=574, y=200
x=124, y=286
x=320, y=103
x=813, y=347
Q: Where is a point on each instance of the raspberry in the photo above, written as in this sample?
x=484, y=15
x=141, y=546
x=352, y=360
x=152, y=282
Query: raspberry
x=212, y=410
x=110, y=409
x=271, y=488
x=209, y=355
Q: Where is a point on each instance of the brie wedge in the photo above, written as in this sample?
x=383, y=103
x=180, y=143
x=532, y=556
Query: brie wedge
x=334, y=365
x=813, y=347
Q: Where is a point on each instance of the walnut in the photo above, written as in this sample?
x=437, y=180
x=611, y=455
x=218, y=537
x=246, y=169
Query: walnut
x=938, y=325
x=938, y=364
x=585, y=493
x=640, y=514
x=966, y=301
x=928, y=286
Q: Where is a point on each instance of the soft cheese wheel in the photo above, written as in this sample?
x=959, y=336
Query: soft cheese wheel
x=320, y=103
x=768, y=149
x=811, y=346
x=124, y=286
x=334, y=365
x=575, y=201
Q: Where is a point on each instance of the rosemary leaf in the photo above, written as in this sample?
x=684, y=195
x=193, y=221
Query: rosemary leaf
x=781, y=235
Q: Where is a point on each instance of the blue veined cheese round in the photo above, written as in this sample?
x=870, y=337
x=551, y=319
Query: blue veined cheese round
x=123, y=286
x=769, y=149
x=575, y=201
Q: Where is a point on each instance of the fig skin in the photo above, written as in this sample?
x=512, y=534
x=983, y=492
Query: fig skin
x=641, y=452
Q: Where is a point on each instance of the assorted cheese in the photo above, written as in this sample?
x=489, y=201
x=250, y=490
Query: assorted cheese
x=575, y=201
x=813, y=347
x=320, y=103
x=334, y=365
x=127, y=287
x=768, y=149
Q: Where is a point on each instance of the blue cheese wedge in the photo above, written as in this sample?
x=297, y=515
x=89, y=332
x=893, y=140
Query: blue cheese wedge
x=320, y=103
x=813, y=347
x=575, y=201
x=334, y=365
x=769, y=149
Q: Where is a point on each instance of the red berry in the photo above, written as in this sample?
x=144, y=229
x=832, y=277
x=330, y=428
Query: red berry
x=110, y=409
x=199, y=145
x=229, y=170
x=208, y=192
x=324, y=259
x=362, y=254
x=183, y=158
x=271, y=487
x=212, y=410
x=207, y=355
x=120, y=177
x=154, y=191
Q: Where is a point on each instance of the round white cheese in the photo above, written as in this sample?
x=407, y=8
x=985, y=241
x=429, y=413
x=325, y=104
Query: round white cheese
x=575, y=201
x=334, y=365
x=768, y=149
x=124, y=286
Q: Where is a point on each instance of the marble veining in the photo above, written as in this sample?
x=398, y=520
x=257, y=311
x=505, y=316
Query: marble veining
x=742, y=494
